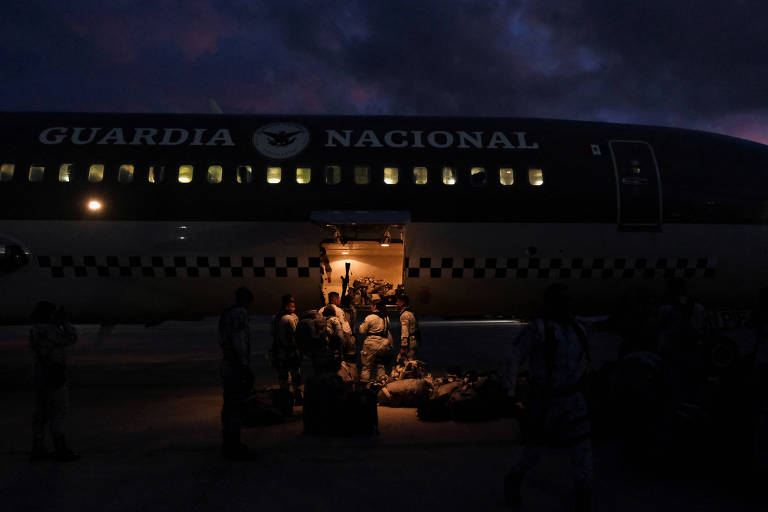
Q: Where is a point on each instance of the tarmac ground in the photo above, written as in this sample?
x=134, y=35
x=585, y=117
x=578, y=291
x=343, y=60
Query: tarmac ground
x=144, y=413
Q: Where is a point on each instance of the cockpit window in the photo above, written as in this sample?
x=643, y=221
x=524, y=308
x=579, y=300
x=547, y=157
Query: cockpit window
x=362, y=175
x=274, y=174
x=214, y=174
x=96, y=173
x=391, y=175
x=449, y=175
x=536, y=177
x=244, y=174
x=420, y=175
x=125, y=173
x=6, y=172
x=303, y=175
x=478, y=176
x=506, y=176
x=36, y=172
x=65, y=173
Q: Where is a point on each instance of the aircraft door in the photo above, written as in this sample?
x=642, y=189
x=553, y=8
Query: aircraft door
x=638, y=185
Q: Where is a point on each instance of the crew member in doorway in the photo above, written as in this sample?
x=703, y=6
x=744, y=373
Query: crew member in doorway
x=285, y=355
x=236, y=374
x=334, y=303
x=350, y=314
x=409, y=329
x=49, y=338
x=377, y=346
x=555, y=414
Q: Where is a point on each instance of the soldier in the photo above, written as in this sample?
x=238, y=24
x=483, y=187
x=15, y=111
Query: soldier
x=410, y=336
x=377, y=346
x=236, y=374
x=555, y=346
x=49, y=338
x=334, y=303
x=285, y=354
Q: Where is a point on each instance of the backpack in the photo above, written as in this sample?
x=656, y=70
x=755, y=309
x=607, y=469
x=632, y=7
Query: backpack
x=311, y=332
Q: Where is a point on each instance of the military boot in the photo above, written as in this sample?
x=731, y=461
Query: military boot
x=513, y=481
x=39, y=451
x=61, y=452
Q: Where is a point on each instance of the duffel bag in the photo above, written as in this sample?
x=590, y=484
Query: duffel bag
x=404, y=393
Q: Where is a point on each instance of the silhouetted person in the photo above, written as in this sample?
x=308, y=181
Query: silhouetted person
x=285, y=354
x=634, y=320
x=410, y=336
x=49, y=338
x=236, y=374
x=556, y=348
x=377, y=346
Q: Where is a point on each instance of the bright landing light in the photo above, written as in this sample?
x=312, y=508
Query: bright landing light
x=94, y=205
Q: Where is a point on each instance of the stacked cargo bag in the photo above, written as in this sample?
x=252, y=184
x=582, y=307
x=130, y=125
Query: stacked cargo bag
x=257, y=413
x=478, y=400
x=437, y=408
x=405, y=393
x=360, y=416
x=325, y=405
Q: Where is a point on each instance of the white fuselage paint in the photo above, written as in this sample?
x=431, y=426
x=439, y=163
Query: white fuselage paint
x=734, y=253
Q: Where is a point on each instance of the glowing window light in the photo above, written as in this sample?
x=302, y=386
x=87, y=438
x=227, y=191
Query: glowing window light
x=65, y=173
x=215, y=173
x=506, y=176
x=186, y=172
x=332, y=174
x=156, y=173
x=449, y=176
x=95, y=205
x=36, y=172
x=125, y=173
x=274, y=174
x=536, y=177
x=420, y=175
x=244, y=174
x=478, y=176
x=6, y=172
x=362, y=175
x=303, y=175
x=391, y=175
x=96, y=173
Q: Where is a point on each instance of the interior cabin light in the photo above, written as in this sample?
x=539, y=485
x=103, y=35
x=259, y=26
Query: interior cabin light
x=94, y=205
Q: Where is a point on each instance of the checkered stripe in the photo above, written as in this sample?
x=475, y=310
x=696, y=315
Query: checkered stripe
x=558, y=268
x=179, y=266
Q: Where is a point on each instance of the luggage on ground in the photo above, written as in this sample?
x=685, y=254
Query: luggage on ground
x=405, y=393
x=257, y=413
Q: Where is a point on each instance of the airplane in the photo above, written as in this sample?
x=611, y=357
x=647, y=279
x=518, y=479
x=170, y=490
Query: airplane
x=142, y=218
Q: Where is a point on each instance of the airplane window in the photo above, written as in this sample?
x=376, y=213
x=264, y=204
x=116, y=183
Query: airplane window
x=36, y=172
x=506, y=175
x=96, y=173
x=6, y=172
x=186, y=173
x=332, y=174
x=391, y=175
x=362, y=175
x=156, y=173
x=303, y=175
x=244, y=174
x=214, y=174
x=420, y=175
x=125, y=173
x=536, y=177
x=449, y=175
x=478, y=176
x=274, y=174
x=65, y=173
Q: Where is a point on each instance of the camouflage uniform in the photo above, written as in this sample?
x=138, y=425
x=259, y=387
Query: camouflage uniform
x=377, y=347
x=285, y=354
x=409, y=337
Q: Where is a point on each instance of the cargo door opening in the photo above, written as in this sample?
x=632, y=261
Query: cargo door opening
x=363, y=262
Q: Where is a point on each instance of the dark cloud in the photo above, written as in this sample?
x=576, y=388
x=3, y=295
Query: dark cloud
x=700, y=64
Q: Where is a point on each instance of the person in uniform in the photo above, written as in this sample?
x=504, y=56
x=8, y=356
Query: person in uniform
x=285, y=354
x=334, y=303
x=409, y=329
x=556, y=349
x=377, y=345
x=49, y=338
x=236, y=374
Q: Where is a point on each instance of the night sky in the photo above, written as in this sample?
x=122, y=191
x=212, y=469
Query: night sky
x=691, y=63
